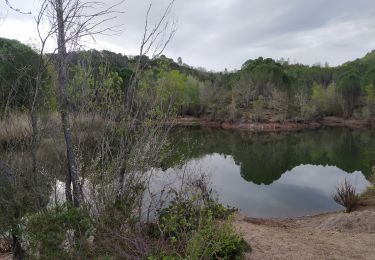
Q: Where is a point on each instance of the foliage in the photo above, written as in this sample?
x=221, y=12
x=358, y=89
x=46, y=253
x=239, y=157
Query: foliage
x=349, y=89
x=215, y=240
x=18, y=68
x=291, y=91
x=370, y=192
x=185, y=223
x=266, y=75
x=96, y=89
x=370, y=93
x=346, y=196
x=119, y=231
x=325, y=100
x=184, y=215
x=179, y=217
x=369, y=90
x=61, y=232
x=258, y=109
x=178, y=89
x=21, y=192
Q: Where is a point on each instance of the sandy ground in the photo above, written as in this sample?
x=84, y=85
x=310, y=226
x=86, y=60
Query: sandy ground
x=5, y=256
x=328, y=236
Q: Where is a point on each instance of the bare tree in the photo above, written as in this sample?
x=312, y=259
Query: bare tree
x=245, y=90
x=302, y=97
x=15, y=9
x=70, y=21
x=154, y=41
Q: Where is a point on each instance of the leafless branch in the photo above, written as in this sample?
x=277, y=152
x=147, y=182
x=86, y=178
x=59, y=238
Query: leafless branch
x=154, y=40
x=15, y=9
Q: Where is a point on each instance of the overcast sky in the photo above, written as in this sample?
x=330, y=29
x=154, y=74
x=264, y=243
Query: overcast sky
x=218, y=34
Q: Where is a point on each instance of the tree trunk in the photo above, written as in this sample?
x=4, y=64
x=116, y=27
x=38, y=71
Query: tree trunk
x=34, y=139
x=62, y=83
x=121, y=183
x=18, y=252
x=68, y=186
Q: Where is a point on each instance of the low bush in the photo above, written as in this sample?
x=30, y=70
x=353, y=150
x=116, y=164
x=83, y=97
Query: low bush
x=180, y=217
x=370, y=192
x=216, y=240
x=59, y=233
x=198, y=230
x=346, y=196
x=184, y=215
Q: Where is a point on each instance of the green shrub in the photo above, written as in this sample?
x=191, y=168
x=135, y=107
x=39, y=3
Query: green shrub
x=325, y=100
x=59, y=233
x=163, y=256
x=217, y=210
x=198, y=230
x=370, y=192
x=216, y=240
x=184, y=216
x=179, y=217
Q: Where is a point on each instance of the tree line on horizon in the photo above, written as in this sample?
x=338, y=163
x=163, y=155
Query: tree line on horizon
x=262, y=90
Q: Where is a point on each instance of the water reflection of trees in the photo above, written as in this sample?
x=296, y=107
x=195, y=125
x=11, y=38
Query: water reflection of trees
x=264, y=157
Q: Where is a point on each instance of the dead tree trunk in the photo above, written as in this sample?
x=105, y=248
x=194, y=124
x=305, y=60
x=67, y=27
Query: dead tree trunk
x=34, y=138
x=62, y=84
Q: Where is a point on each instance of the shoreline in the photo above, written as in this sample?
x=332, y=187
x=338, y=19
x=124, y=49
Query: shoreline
x=332, y=235
x=287, y=126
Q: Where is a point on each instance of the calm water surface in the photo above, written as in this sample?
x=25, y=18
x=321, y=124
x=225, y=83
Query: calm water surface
x=277, y=175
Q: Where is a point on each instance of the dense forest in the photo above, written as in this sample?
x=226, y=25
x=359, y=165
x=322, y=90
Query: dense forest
x=262, y=90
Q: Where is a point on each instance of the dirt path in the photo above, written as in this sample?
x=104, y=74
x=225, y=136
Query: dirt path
x=328, y=236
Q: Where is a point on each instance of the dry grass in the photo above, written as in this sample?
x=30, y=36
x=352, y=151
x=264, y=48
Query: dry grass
x=346, y=196
x=15, y=127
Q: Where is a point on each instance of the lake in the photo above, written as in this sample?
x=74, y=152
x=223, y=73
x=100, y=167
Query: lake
x=276, y=174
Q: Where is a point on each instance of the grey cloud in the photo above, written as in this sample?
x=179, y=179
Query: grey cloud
x=220, y=33
x=248, y=29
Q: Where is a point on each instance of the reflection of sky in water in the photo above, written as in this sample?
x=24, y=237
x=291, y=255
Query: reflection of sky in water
x=306, y=189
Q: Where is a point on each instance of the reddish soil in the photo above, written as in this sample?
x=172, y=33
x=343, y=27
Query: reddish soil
x=276, y=126
x=349, y=122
